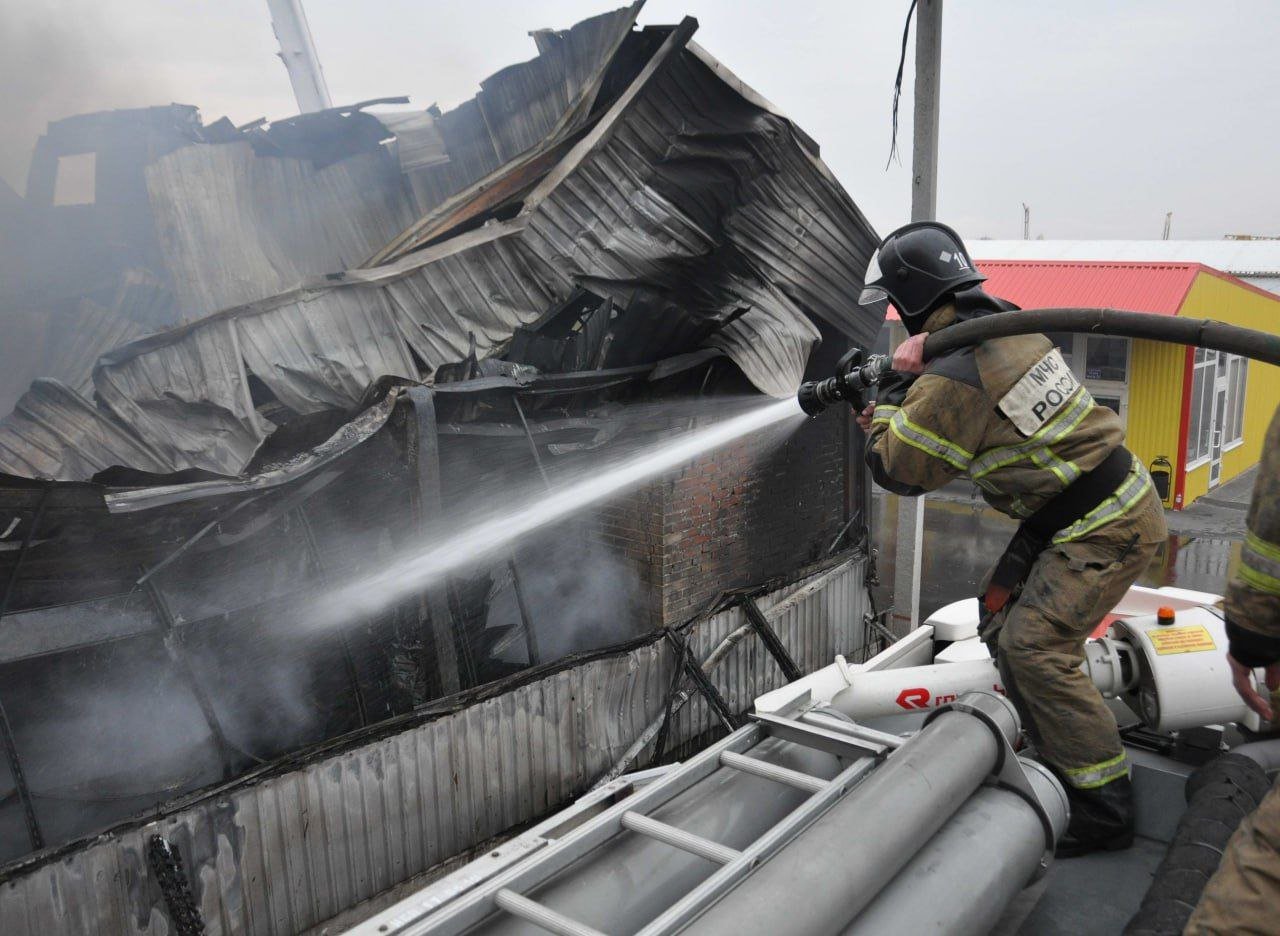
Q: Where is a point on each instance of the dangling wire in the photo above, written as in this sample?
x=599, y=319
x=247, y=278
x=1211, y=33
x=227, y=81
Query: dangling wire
x=897, y=86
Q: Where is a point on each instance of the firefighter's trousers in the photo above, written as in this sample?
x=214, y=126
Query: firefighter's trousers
x=1040, y=638
x=1243, y=896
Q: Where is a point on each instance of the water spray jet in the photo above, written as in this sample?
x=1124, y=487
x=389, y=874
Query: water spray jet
x=485, y=538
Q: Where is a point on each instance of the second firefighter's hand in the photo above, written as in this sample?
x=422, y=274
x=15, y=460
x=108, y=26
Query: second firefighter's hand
x=909, y=357
x=863, y=419
x=1242, y=679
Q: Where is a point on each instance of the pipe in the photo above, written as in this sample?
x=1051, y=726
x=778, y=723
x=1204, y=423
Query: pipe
x=876, y=693
x=864, y=694
x=974, y=867
x=830, y=872
x=1201, y=333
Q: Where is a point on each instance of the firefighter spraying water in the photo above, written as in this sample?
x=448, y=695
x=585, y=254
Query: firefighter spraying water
x=1003, y=408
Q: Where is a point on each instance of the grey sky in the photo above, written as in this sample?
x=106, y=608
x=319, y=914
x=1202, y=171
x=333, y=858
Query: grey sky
x=1101, y=115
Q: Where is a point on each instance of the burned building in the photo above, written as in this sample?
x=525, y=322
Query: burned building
x=360, y=329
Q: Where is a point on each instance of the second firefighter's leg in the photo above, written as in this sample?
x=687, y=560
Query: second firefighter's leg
x=1243, y=895
x=1069, y=590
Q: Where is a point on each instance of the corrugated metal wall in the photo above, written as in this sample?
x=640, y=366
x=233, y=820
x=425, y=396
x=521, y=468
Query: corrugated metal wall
x=279, y=854
x=1155, y=402
x=1227, y=301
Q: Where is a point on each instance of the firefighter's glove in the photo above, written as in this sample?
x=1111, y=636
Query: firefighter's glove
x=1249, y=650
x=893, y=387
x=990, y=624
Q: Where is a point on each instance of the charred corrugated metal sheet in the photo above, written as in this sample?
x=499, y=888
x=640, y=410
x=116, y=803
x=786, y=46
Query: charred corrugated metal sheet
x=53, y=432
x=323, y=352
x=236, y=226
x=690, y=203
x=186, y=394
x=481, y=285
x=76, y=343
x=122, y=500
x=522, y=108
x=289, y=848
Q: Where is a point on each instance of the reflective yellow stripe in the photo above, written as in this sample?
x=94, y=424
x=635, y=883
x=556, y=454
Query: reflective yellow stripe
x=1260, y=564
x=931, y=444
x=1113, y=508
x=883, y=414
x=1051, y=433
x=1096, y=775
x=1066, y=472
x=1262, y=547
x=1259, y=581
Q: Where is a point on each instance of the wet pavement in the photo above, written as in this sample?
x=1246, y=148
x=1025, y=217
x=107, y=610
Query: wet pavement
x=963, y=537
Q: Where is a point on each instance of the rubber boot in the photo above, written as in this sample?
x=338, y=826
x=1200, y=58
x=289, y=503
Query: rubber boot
x=1101, y=819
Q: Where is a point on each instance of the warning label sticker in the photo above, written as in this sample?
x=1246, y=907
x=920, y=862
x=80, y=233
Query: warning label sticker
x=1191, y=639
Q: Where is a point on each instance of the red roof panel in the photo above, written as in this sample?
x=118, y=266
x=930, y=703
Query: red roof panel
x=1158, y=288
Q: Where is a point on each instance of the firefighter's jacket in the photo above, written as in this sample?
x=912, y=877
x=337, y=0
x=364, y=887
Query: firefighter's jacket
x=1007, y=413
x=1253, y=596
x=1242, y=896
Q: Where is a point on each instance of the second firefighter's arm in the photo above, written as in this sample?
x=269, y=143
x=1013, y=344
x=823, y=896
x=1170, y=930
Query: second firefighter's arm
x=924, y=433
x=1253, y=596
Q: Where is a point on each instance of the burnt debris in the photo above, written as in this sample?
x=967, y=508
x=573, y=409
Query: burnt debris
x=243, y=362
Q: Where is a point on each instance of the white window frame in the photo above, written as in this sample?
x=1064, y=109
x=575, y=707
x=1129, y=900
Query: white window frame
x=1195, y=458
x=75, y=180
x=1118, y=389
x=1237, y=398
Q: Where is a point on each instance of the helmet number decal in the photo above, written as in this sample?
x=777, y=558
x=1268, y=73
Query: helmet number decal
x=1041, y=393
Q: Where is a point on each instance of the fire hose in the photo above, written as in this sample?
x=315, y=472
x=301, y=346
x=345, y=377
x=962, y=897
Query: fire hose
x=854, y=375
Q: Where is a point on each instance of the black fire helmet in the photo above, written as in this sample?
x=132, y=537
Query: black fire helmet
x=917, y=268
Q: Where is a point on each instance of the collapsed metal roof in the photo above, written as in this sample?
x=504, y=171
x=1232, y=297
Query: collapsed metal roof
x=627, y=162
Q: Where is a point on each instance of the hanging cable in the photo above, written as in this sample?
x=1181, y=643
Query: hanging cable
x=897, y=85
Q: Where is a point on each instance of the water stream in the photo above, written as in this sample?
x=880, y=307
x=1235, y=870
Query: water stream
x=486, y=536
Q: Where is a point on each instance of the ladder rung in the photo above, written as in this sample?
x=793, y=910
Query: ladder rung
x=535, y=913
x=752, y=765
x=824, y=719
x=679, y=838
x=820, y=738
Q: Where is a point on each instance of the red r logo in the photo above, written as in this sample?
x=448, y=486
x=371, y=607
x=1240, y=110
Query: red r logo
x=913, y=698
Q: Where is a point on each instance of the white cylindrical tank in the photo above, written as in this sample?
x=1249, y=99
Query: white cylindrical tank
x=1184, y=680
x=876, y=693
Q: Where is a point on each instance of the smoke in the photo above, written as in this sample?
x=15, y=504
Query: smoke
x=50, y=67
x=59, y=58
x=510, y=522
x=577, y=594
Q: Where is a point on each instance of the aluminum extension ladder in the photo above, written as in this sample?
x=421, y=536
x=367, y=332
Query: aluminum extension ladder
x=506, y=889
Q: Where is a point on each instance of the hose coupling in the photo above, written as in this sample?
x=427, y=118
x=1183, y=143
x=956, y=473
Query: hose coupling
x=854, y=377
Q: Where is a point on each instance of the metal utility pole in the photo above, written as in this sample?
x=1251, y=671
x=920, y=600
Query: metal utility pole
x=1026, y=221
x=298, y=52
x=924, y=207
x=1168, y=223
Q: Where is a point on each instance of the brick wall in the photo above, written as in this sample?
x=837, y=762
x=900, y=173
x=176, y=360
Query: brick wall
x=631, y=528
x=736, y=517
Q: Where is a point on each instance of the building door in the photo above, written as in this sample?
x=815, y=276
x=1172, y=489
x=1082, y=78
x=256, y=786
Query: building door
x=1219, y=428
